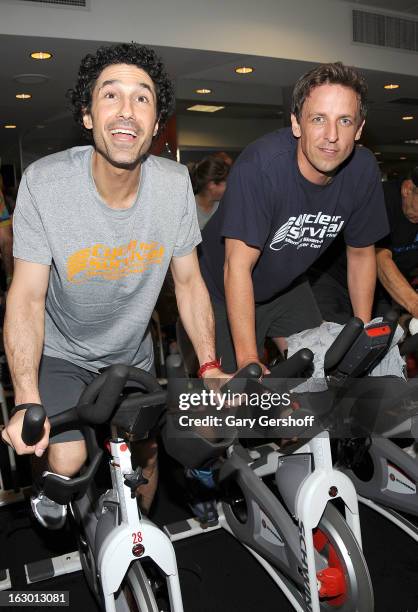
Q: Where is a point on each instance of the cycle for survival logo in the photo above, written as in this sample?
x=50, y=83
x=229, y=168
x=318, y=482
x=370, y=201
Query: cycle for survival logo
x=307, y=230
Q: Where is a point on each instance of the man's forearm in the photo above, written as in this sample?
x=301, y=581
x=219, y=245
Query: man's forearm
x=23, y=339
x=361, y=278
x=396, y=284
x=196, y=315
x=239, y=293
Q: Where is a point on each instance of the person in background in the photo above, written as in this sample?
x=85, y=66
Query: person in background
x=208, y=179
x=397, y=255
x=6, y=238
x=224, y=156
x=397, y=261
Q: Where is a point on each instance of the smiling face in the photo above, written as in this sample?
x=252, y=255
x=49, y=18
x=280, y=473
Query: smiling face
x=327, y=130
x=123, y=114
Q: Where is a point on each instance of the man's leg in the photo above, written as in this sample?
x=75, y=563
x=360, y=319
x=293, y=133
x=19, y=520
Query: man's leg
x=60, y=384
x=145, y=454
x=293, y=311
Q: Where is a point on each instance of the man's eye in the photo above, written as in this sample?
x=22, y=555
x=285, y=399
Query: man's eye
x=109, y=94
x=346, y=121
x=318, y=120
x=143, y=99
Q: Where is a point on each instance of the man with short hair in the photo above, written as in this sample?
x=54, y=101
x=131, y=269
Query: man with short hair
x=96, y=228
x=397, y=255
x=288, y=196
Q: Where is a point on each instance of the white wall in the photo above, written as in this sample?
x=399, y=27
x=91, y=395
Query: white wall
x=307, y=30
x=228, y=134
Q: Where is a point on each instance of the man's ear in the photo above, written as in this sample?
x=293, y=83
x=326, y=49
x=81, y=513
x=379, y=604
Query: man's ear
x=406, y=188
x=87, y=121
x=359, y=130
x=156, y=126
x=295, y=126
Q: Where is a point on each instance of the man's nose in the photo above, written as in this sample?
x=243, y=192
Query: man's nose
x=126, y=108
x=331, y=132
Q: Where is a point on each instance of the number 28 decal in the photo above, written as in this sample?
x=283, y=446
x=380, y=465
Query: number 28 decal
x=137, y=537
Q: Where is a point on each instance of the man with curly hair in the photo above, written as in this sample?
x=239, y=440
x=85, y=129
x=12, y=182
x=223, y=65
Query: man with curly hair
x=96, y=228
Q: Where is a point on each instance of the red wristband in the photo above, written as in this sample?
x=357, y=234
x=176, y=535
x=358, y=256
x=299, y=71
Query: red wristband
x=209, y=365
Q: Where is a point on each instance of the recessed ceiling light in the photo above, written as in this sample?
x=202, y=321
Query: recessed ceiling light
x=203, y=108
x=408, y=117
x=203, y=90
x=377, y=153
x=9, y=126
x=41, y=55
x=244, y=70
x=412, y=141
x=403, y=157
x=30, y=79
x=23, y=96
x=391, y=86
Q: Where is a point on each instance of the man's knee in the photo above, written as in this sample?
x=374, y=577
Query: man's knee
x=66, y=458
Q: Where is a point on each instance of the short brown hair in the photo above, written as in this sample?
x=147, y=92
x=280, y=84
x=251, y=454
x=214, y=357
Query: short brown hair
x=334, y=73
x=209, y=169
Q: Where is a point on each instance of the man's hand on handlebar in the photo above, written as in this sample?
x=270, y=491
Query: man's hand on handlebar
x=12, y=435
x=244, y=363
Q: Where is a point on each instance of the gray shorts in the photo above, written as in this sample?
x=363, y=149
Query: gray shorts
x=60, y=385
x=292, y=311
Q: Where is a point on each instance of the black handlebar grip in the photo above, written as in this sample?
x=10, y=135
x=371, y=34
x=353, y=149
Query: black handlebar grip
x=294, y=366
x=252, y=370
x=237, y=384
x=33, y=425
x=342, y=343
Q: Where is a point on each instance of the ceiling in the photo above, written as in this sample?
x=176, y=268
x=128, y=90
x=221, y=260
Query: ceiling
x=44, y=122
x=404, y=6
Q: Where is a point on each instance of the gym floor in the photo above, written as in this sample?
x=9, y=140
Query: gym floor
x=216, y=573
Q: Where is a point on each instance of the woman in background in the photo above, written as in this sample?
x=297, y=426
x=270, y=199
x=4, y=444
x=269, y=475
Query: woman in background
x=209, y=182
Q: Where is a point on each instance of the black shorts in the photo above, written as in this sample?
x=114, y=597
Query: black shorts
x=61, y=384
x=292, y=311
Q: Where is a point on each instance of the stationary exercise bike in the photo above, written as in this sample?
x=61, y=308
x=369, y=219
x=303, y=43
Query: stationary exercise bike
x=129, y=563
x=279, y=503
x=383, y=413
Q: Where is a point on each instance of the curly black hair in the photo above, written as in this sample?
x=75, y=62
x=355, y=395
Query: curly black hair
x=143, y=57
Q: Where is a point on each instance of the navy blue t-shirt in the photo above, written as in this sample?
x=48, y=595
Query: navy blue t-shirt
x=269, y=205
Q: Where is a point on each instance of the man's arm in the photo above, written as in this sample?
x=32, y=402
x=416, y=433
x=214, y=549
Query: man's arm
x=240, y=260
x=395, y=282
x=361, y=279
x=195, y=308
x=23, y=339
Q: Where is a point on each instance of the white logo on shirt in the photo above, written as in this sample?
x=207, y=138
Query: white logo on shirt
x=307, y=230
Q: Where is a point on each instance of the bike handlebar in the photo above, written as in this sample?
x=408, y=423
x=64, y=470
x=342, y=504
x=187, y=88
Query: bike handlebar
x=33, y=425
x=294, y=366
x=342, y=343
x=96, y=403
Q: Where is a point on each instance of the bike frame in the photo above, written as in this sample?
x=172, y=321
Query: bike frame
x=135, y=537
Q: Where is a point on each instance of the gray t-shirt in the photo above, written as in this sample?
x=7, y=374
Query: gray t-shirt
x=107, y=265
x=203, y=216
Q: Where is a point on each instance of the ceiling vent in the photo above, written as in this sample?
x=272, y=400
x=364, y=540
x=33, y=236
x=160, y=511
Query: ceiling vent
x=385, y=30
x=76, y=3
x=405, y=101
